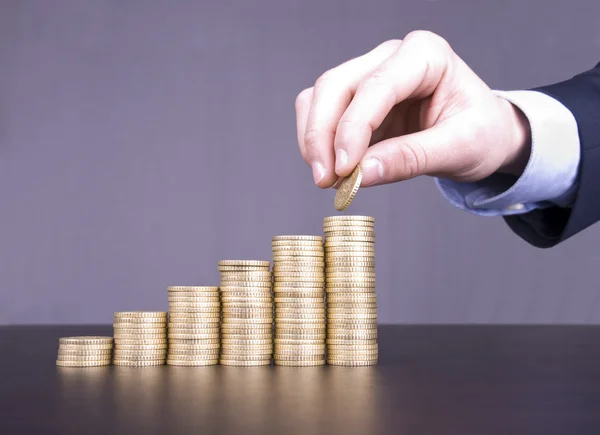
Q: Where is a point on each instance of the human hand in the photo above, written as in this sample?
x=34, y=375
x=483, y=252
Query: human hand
x=408, y=108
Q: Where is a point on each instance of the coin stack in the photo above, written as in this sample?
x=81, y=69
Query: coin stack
x=247, y=313
x=194, y=323
x=140, y=338
x=350, y=289
x=88, y=351
x=298, y=279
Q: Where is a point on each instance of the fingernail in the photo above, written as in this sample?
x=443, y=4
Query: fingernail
x=341, y=158
x=318, y=171
x=372, y=171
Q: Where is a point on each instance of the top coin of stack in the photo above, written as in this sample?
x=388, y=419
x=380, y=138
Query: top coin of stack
x=350, y=287
x=90, y=351
x=140, y=338
x=247, y=313
x=298, y=277
x=194, y=318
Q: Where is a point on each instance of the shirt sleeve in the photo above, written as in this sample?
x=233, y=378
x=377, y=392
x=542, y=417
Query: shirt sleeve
x=550, y=177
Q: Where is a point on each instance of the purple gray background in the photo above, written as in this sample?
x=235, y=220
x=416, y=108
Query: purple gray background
x=142, y=141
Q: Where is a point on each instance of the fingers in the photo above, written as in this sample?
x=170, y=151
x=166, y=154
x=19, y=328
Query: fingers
x=440, y=149
x=414, y=71
x=332, y=94
x=303, y=102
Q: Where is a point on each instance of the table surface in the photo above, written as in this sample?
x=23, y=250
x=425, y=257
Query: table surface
x=432, y=380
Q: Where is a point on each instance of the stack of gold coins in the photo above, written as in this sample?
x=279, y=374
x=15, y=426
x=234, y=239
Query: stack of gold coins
x=298, y=279
x=88, y=351
x=247, y=313
x=350, y=288
x=194, y=321
x=140, y=338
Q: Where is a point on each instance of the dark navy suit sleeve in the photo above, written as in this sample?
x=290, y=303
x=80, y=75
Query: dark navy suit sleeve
x=547, y=227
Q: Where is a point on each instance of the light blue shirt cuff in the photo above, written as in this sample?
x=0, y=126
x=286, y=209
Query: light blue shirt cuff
x=550, y=177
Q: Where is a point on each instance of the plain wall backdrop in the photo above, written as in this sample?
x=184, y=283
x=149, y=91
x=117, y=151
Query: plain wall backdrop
x=142, y=141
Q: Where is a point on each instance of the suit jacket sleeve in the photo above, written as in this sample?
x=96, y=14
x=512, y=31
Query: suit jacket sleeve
x=545, y=228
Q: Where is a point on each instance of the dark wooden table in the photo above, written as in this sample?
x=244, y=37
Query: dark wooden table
x=433, y=380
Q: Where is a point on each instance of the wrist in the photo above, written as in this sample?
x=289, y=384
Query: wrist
x=519, y=140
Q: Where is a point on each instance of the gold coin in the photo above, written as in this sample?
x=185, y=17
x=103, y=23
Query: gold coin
x=246, y=329
x=86, y=347
x=331, y=275
x=367, y=362
x=241, y=297
x=142, y=347
x=248, y=357
x=290, y=244
x=300, y=323
x=352, y=297
x=298, y=250
x=90, y=363
x=193, y=316
x=199, y=342
x=299, y=294
x=235, y=321
x=228, y=362
x=139, y=337
x=138, y=341
x=246, y=336
x=351, y=307
x=344, y=263
x=206, y=354
x=353, y=347
x=249, y=342
x=283, y=301
x=139, y=355
x=185, y=349
x=257, y=263
x=142, y=325
x=289, y=260
x=286, y=349
x=335, y=334
x=353, y=310
x=143, y=321
x=296, y=284
x=86, y=340
x=192, y=304
x=294, y=237
x=128, y=363
x=243, y=269
x=302, y=341
x=300, y=336
x=299, y=363
x=332, y=240
x=242, y=276
x=350, y=316
x=84, y=352
x=190, y=363
x=205, y=318
x=141, y=314
x=193, y=288
x=348, y=188
x=304, y=357
x=304, y=270
x=350, y=232
x=235, y=352
x=348, y=218
x=350, y=286
x=299, y=305
x=200, y=301
x=299, y=330
x=357, y=342
x=353, y=324
x=191, y=336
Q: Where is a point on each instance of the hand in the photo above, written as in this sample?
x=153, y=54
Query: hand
x=408, y=108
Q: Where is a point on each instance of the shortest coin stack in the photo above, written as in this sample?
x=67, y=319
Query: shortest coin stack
x=140, y=338
x=194, y=318
x=88, y=351
x=247, y=325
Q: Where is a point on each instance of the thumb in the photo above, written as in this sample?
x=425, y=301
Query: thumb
x=440, y=150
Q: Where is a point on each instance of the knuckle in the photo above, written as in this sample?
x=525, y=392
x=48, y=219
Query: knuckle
x=391, y=43
x=410, y=160
x=311, y=138
x=377, y=79
x=303, y=97
x=325, y=79
x=427, y=38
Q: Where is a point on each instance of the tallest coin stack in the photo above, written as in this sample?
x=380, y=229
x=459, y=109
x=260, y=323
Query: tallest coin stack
x=350, y=290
